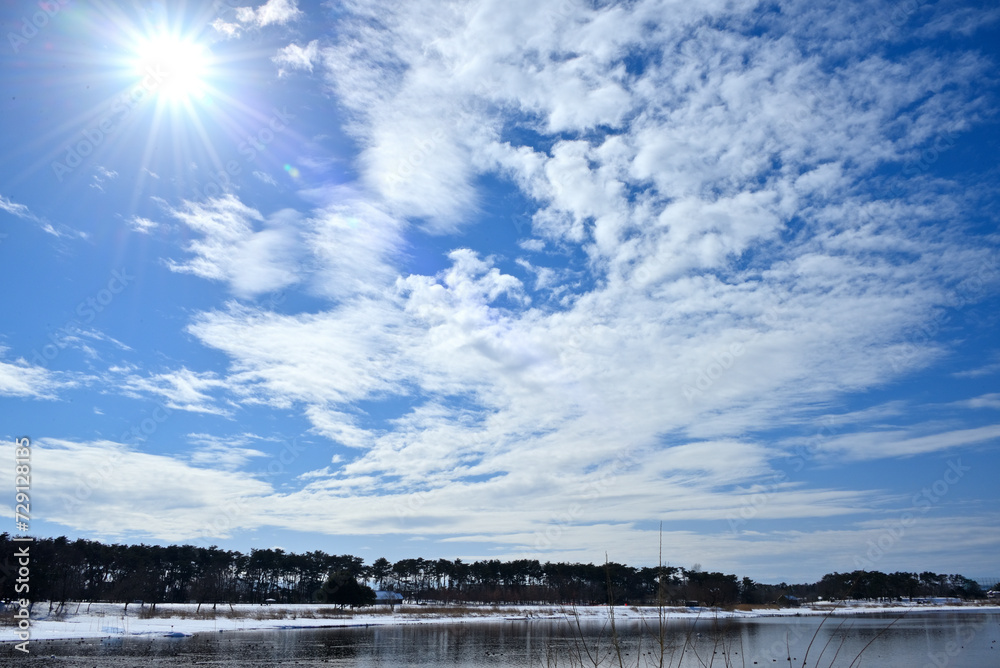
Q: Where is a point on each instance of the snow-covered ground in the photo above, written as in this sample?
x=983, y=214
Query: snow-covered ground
x=101, y=620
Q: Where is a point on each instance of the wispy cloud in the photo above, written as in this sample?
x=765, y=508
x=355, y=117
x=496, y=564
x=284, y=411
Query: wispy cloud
x=142, y=225
x=166, y=496
x=276, y=12
x=908, y=442
x=990, y=369
x=265, y=177
x=22, y=379
x=15, y=209
x=988, y=401
x=224, y=453
x=182, y=389
x=253, y=255
x=295, y=57
x=22, y=211
x=101, y=176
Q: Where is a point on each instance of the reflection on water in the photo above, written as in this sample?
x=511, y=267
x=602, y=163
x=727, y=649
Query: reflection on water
x=935, y=640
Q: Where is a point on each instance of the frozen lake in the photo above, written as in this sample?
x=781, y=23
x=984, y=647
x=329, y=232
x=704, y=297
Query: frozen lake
x=936, y=639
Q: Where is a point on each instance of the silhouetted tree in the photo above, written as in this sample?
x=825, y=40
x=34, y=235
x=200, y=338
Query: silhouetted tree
x=84, y=570
x=342, y=589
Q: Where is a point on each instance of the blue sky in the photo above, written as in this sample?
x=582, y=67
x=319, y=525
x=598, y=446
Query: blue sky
x=509, y=279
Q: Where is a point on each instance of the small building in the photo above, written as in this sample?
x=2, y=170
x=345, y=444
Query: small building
x=390, y=598
x=993, y=593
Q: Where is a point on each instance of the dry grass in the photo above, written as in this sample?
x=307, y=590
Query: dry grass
x=256, y=613
x=293, y=612
x=455, y=611
x=750, y=607
x=148, y=612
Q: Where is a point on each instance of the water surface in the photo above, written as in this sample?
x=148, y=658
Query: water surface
x=916, y=640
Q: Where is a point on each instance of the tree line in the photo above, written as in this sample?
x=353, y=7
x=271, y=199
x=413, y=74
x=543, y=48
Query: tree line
x=86, y=570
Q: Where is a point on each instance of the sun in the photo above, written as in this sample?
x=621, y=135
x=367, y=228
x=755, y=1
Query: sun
x=171, y=67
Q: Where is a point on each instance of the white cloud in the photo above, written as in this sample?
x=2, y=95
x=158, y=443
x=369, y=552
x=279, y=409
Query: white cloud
x=22, y=379
x=548, y=393
x=23, y=212
x=983, y=401
x=230, y=30
x=744, y=268
x=101, y=176
x=911, y=441
x=182, y=389
x=295, y=57
x=984, y=370
x=964, y=21
x=278, y=12
x=15, y=209
x=338, y=427
x=223, y=453
x=265, y=177
x=142, y=225
x=317, y=359
x=354, y=245
x=83, y=485
x=725, y=140
x=252, y=261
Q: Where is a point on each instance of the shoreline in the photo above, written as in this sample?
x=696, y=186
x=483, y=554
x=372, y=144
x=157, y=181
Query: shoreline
x=107, y=620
